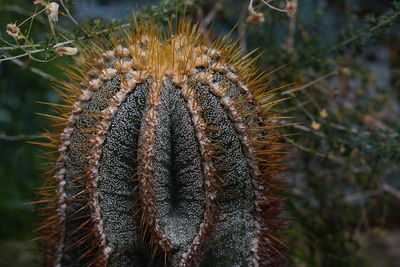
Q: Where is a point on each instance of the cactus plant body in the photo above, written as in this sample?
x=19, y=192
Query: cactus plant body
x=165, y=155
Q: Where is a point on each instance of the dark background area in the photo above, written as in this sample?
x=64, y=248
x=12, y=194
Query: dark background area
x=343, y=193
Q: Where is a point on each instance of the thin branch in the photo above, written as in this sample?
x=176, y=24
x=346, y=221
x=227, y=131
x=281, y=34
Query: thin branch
x=53, y=31
x=391, y=190
x=22, y=137
x=332, y=158
x=88, y=36
x=241, y=27
x=32, y=16
x=362, y=195
x=213, y=12
x=34, y=70
x=304, y=128
x=292, y=29
x=250, y=7
x=10, y=44
x=69, y=14
x=333, y=73
x=16, y=9
x=299, y=105
x=16, y=47
x=307, y=129
x=273, y=7
x=21, y=11
x=72, y=18
x=14, y=57
x=30, y=27
x=370, y=193
x=370, y=31
x=68, y=42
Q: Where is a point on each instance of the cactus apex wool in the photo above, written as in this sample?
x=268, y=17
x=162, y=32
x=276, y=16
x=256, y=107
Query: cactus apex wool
x=165, y=152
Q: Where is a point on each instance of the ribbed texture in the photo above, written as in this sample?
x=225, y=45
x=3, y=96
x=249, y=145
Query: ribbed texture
x=167, y=157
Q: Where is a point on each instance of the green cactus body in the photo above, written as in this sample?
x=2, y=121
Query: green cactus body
x=166, y=155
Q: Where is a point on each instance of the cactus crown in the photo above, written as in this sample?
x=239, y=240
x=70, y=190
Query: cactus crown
x=165, y=154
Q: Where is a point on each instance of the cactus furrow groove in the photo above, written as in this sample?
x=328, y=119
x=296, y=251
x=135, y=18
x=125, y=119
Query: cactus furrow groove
x=166, y=156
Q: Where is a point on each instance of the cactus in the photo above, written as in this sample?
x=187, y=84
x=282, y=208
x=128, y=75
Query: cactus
x=166, y=153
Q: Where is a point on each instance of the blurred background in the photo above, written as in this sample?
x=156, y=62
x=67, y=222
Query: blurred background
x=343, y=186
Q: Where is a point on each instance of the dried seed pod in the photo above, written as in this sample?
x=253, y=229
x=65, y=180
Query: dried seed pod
x=166, y=155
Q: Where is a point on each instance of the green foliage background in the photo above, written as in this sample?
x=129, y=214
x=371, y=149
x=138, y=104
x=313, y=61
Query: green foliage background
x=345, y=62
